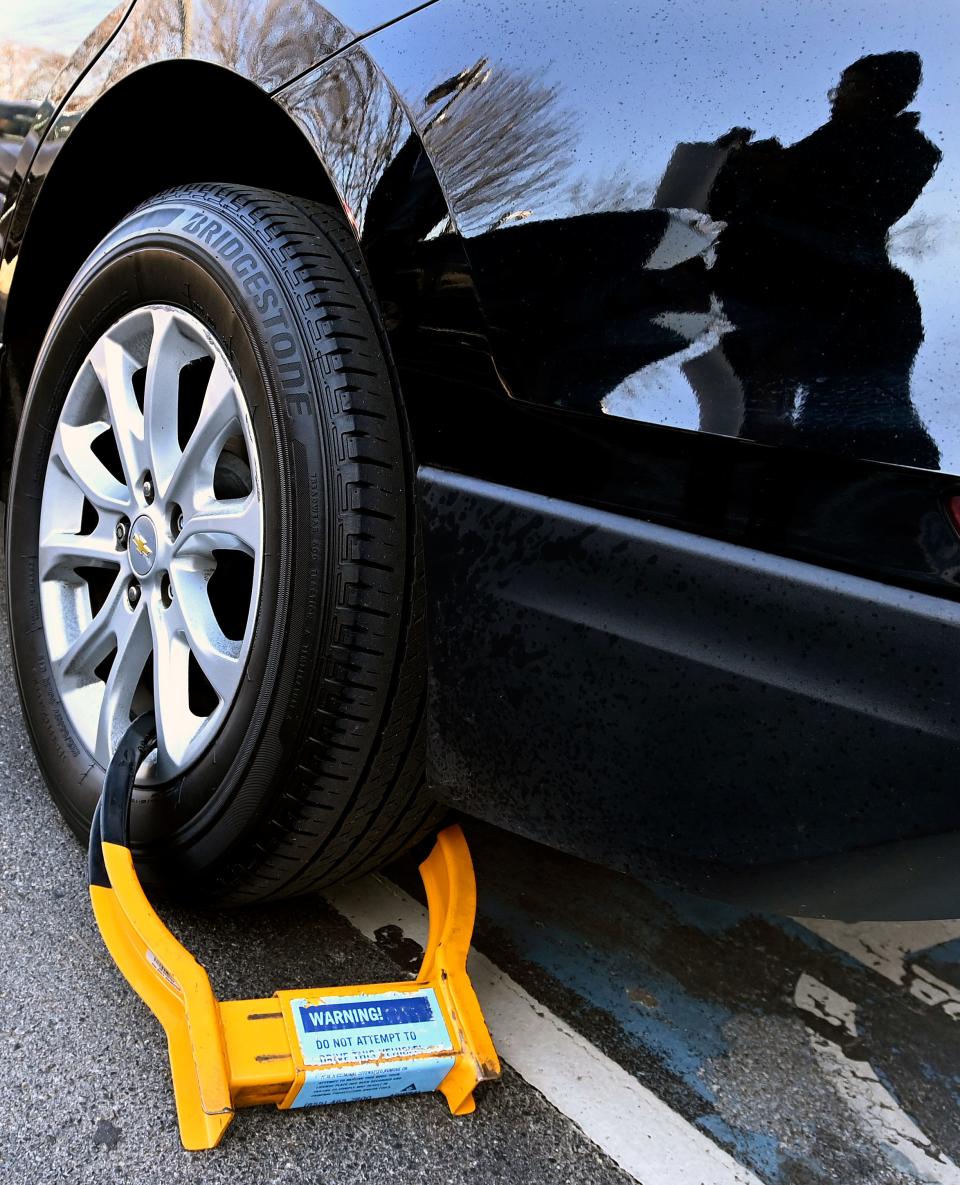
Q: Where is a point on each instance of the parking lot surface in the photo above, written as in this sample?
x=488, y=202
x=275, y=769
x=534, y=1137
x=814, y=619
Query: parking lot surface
x=648, y=1035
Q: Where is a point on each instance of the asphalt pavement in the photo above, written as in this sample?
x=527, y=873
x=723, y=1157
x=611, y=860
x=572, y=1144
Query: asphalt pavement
x=648, y=1035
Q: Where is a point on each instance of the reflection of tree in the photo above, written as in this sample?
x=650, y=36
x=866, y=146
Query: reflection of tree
x=619, y=190
x=264, y=42
x=27, y=71
x=261, y=40
x=494, y=136
x=152, y=31
x=357, y=124
x=917, y=238
x=498, y=142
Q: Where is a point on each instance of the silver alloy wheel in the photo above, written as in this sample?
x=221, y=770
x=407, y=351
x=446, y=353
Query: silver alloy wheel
x=151, y=538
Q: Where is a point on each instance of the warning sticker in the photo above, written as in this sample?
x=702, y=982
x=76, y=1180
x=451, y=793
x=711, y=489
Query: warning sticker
x=392, y=1043
x=373, y=1082
x=161, y=970
x=368, y=1028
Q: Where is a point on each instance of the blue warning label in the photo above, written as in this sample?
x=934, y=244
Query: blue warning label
x=322, y=1018
x=336, y=1029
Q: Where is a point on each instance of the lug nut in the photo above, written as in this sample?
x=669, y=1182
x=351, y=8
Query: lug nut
x=121, y=534
x=179, y=522
x=133, y=594
x=148, y=490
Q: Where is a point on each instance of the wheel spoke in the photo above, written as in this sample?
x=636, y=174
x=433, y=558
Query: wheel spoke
x=192, y=477
x=221, y=522
x=217, y=655
x=115, y=368
x=72, y=451
x=176, y=724
x=96, y=638
x=132, y=635
x=170, y=351
x=62, y=552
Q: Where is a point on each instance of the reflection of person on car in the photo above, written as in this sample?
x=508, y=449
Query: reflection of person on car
x=575, y=304
x=827, y=327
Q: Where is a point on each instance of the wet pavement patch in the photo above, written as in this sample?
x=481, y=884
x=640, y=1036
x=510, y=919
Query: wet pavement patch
x=107, y=1135
x=801, y=1061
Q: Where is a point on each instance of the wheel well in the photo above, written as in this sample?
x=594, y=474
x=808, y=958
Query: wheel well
x=166, y=124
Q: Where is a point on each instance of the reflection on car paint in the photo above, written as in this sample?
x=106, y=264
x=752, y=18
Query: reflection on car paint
x=782, y=313
x=557, y=144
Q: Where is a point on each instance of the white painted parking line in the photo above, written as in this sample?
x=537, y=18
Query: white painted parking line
x=858, y=1086
x=629, y=1123
x=883, y=946
x=886, y=947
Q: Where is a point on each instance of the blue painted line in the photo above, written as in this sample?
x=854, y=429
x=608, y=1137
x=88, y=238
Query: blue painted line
x=679, y=1029
x=760, y=1150
x=682, y=1030
x=618, y=945
x=947, y=954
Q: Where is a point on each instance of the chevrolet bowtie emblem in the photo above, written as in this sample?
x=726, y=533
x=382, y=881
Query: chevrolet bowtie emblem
x=141, y=544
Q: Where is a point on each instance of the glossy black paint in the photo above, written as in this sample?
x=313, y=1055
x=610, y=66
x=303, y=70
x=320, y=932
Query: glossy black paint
x=651, y=713
x=789, y=327
x=600, y=125
x=695, y=272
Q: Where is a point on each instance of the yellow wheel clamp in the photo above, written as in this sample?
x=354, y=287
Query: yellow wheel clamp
x=295, y=1048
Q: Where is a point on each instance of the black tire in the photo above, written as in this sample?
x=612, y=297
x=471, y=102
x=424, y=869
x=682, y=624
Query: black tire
x=317, y=772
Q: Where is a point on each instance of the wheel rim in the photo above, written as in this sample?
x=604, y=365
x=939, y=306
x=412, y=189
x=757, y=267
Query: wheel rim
x=151, y=539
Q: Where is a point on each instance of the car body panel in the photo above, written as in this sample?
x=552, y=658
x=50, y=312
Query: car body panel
x=597, y=128
x=678, y=706
x=562, y=222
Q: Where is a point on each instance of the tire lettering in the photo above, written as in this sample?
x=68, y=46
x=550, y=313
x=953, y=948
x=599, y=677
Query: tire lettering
x=298, y=403
x=231, y=247
x=280, y=318
x=52, y=719
x=252, y=283
x=295, y=371
x=194, y=223
x=255, y=283
x=209, y=231
x=283, y=344
x=267, y=299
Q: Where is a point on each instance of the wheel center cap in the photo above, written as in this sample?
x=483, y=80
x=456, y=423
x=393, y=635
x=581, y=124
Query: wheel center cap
x=142, y=546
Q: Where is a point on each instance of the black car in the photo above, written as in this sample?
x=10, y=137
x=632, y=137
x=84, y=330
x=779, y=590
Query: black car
x=547, y=411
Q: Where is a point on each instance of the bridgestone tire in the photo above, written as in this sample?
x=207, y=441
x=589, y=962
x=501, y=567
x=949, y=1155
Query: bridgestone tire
x=316, y=774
